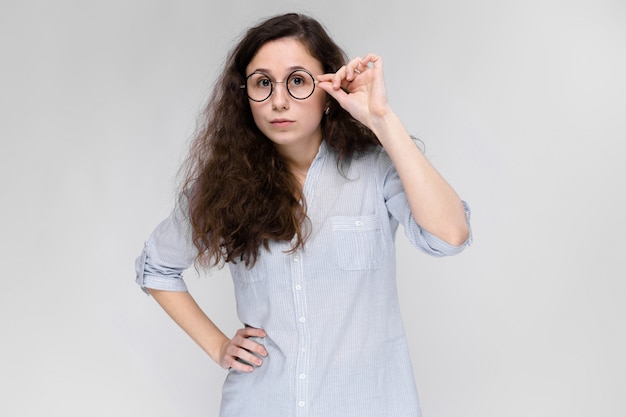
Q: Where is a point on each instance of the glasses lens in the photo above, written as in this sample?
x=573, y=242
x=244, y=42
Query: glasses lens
x=300, y=84
x=258, y=86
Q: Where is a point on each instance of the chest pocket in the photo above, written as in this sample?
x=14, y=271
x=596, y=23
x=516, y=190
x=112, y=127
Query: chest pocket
x=357, y=242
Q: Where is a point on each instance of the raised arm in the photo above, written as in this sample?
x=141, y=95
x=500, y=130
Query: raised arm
x=359, y=88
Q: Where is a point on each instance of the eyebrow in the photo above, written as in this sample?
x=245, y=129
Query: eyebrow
x=289, y=70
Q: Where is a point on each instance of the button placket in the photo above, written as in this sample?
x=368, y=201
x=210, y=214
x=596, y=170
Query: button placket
x=302, y=357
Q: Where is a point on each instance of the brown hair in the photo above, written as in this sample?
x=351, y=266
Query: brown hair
x=240, y=193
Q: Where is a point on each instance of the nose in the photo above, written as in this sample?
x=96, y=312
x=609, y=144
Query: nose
x=280, y=96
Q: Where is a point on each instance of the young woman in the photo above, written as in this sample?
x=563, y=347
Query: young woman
x=298, y=180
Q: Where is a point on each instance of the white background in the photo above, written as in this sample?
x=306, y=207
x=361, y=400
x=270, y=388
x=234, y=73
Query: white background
x=521, y=105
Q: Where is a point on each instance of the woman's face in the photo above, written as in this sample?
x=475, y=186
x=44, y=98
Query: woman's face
x=293, y=125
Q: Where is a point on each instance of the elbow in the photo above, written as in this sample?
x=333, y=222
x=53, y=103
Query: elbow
x=457, y=236
x=459, y=231
x=460, y=238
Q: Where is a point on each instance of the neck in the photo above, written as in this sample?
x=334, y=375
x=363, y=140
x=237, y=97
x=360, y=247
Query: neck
x=299, y=159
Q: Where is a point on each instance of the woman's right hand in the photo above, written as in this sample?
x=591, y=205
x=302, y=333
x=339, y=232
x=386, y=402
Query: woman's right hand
x=241, y=347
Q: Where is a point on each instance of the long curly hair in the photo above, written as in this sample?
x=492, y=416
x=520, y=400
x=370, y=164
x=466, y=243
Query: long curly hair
x=239, y=191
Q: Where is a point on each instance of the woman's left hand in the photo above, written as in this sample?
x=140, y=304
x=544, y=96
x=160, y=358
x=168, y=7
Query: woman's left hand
x=359, y=87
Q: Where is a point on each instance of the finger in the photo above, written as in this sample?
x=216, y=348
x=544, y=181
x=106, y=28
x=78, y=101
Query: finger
x=327, y=82
x=250, y=332
x=370, y=58
x=345, y=74
x=352, y=69
x=336, y=93
x=242, y=338
x=248, y=357
x=236, y=352
x=325, y=77
x=252, y=346
x=230, y=361
x=237, y=365
x=373, y=59
x=338, y=77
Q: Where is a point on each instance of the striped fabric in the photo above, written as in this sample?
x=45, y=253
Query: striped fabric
x=335, y=337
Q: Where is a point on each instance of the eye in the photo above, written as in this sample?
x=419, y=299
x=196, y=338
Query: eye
x=301, y=79
x=298, y=81
x=263, y=82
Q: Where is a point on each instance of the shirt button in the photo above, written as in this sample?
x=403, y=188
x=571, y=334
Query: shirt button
x=302, y=376
x=303, y=348
x=296, y=258
x=301, y=403
x=302, y=319
x=358, y=223
x=298, y=287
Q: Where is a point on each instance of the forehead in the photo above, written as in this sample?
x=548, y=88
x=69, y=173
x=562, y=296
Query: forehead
x=283, y=55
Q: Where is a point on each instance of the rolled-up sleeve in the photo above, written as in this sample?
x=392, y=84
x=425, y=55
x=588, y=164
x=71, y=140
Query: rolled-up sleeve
x=398, y=207
x=167, y=253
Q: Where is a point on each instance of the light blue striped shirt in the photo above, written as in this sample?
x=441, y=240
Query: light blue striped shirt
x=335, y=340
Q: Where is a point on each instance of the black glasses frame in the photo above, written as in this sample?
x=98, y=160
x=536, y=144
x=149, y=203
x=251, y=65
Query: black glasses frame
x=273, y=83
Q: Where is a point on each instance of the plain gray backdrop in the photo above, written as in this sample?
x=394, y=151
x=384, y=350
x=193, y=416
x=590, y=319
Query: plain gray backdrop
x=522, y=108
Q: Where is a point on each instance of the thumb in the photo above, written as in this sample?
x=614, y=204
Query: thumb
x=337, y=93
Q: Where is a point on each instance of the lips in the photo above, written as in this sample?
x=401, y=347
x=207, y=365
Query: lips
x=281, y=122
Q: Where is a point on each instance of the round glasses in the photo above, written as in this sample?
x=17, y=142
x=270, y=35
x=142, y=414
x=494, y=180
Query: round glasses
x=300, y=85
